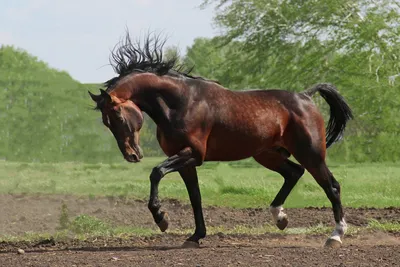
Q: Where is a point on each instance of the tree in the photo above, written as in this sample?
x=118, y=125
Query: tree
x=292, y=44
x=219, y=62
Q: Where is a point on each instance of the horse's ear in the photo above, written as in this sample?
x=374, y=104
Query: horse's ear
x=95, y=98
x=100, y=99
x=105, y=95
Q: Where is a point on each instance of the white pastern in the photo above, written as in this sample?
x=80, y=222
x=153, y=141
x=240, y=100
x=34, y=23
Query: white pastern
x=339, y=231
x=277, y=213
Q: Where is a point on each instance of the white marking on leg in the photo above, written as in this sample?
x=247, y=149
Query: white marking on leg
x=339, y=231
x=277, y=213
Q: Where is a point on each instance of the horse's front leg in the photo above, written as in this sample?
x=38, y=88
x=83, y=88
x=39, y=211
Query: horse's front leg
x=189, y=176
x=174, y=163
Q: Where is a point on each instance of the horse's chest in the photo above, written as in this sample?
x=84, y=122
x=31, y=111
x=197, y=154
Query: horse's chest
x=171, y=144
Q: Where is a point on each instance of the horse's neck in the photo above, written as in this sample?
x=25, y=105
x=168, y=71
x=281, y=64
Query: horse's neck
x=160, y=99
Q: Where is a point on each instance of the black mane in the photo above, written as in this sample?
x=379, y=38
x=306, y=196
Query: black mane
x=128, y=57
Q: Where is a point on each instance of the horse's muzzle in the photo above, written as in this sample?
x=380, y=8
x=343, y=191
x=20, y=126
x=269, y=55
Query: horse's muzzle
x=132, y=158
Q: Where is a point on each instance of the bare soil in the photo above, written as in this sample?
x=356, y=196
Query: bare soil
x=40, y=214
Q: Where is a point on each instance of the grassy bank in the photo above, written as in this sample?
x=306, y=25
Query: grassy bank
x=238, y=185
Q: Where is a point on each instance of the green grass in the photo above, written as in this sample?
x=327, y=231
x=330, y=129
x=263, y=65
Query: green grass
x=242, y=184
x=384, y=226
x=84, y=227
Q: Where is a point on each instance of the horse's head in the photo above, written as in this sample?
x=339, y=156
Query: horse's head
x=124, y=119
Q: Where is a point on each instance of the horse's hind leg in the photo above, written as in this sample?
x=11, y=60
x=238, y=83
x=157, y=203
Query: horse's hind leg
x=314, y=162
x=332, y=189
x=291, y=172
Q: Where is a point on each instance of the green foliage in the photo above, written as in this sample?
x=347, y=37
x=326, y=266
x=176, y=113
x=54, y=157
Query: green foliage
x=293, y=44
x=64, y=217
x=390, y=227
x=85, y=224
x=46, y=116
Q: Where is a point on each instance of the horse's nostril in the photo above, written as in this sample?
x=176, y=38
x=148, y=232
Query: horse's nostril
x=135, y=157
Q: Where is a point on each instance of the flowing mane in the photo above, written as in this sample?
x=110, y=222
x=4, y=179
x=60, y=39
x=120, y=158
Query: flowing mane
x=128, y=57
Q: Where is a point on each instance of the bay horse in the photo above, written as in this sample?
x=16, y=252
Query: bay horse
x=199, y=120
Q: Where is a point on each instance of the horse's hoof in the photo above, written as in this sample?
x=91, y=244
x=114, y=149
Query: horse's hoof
x=163, y=224
x=282, y=223
x=333, y=242
x=190, y=244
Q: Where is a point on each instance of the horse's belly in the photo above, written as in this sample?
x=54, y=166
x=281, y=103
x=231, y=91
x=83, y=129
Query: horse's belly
x=225, y=145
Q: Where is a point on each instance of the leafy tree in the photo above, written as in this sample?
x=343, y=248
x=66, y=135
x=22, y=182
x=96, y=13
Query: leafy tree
x=292, y=44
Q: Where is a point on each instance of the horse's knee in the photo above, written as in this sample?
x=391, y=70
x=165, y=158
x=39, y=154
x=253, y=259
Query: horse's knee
x=155, y=175
x=296, y=170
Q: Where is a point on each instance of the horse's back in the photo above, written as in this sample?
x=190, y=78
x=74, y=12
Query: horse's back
x=244, y=123
x=258, y=103
x=250, y=121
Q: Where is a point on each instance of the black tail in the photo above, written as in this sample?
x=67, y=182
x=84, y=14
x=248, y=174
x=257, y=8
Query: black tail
x=340, y=111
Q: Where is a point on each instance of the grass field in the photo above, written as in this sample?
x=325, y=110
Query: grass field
x=241, y=184
x=79, y=214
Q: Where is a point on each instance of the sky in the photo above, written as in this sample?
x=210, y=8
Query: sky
x=77, y=35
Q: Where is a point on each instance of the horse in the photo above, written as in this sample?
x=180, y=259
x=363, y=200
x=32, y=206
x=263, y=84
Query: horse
x=198, y=120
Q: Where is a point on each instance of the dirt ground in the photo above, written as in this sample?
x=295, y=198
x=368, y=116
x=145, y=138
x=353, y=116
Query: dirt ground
x=40, y=214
